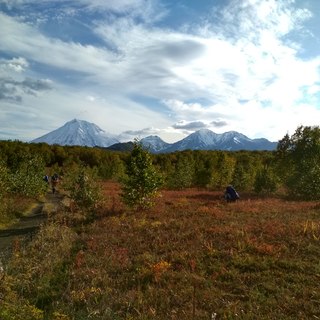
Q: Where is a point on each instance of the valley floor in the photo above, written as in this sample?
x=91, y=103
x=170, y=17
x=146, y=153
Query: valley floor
x=192, y=256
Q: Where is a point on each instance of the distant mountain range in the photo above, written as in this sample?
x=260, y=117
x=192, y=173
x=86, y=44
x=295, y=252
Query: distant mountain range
x=83, y=133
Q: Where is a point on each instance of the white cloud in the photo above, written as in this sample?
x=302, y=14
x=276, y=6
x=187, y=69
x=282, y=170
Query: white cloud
x=91, y=98
x=13, y=84
x=27, y=40
x=253, y=61
x=15, y=64
x=130, y=135
x=243, y=61
x=49, y=111
x=147, y=10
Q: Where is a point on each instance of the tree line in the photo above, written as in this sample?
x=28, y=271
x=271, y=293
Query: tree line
x=293, y=168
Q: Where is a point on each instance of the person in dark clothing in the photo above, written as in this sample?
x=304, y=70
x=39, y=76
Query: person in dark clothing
x=231, y=194
x=54, y=182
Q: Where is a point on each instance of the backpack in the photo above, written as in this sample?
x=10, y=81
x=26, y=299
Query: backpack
x=231, y=194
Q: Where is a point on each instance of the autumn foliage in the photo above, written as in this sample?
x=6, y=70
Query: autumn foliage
x=191, y=256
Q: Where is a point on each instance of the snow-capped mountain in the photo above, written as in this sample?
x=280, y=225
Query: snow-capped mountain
x=80, y=133
x=154, y=144
x=233, y=140
x=205, y=139
x=202, y=139
x=83, y=133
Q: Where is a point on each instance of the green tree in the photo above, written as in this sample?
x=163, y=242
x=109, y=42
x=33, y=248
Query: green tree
x=243, y=174
x=112, y=167
x=141, y=186
x=3, y=189
x=3, y=179
x=82, y=184
x=184, y=172
x=299, y=157
x=265, y=180
x=26, y=176
x=223, y=170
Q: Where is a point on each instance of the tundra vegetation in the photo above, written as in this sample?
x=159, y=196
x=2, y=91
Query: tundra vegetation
x=174, y=249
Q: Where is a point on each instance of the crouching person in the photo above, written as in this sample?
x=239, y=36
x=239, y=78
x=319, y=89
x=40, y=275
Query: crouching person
x=231, y=194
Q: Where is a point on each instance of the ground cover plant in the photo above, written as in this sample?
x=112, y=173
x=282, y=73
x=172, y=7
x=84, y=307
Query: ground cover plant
x=20, y=186
x=191, y=256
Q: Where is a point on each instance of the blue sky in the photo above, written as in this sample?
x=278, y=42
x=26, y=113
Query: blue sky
x=166, y=68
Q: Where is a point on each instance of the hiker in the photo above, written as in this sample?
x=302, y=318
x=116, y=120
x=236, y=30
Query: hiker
x=231, y=194
x=46, y=178
x=54, y=182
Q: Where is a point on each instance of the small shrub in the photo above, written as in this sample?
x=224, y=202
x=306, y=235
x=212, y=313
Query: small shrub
x=266, y=181
x=18, y=309
x=83, y=188
x=27, y=177
x=141, y=186
x=183, y=175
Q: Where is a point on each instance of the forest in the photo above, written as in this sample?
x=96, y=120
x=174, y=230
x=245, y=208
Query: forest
x=293, y=168
x=144, y=236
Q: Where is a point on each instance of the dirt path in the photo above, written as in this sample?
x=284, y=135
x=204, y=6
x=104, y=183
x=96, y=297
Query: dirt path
x=27, y=226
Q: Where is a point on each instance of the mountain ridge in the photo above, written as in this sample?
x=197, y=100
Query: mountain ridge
x=205, y=139
x=83, y=133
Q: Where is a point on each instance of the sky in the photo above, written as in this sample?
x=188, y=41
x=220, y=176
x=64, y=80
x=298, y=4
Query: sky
x=159, y=67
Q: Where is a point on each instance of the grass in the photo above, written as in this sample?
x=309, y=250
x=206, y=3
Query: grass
x=13, y=208
x=192, y=256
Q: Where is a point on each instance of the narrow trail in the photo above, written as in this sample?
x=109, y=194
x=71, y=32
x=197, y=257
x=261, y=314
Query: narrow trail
x=27, y=226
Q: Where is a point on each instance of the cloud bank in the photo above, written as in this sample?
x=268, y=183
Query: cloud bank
x=243, y=65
